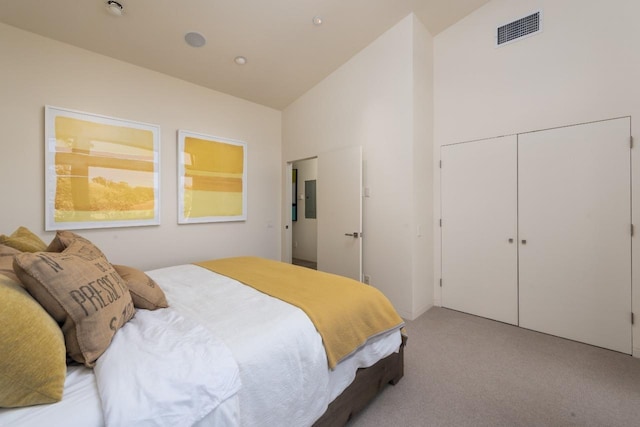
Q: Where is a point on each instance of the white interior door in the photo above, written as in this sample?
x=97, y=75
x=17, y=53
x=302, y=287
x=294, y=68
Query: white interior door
x=575, y=216
x=479, y=225
x=288, y=223
x=339, y=211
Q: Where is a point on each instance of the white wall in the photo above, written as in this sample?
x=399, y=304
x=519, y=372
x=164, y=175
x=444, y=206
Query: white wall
x=35, y=71
x=305, y=230
x=423, y=165
x=584, y=66
x=371, y=101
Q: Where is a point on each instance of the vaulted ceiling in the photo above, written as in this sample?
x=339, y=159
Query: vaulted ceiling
x=286, y=53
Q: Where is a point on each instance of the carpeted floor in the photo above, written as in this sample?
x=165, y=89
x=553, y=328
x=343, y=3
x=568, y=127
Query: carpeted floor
x=304, y=263
x=462, y=370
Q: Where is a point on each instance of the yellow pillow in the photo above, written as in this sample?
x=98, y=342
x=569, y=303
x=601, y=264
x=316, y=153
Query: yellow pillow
x=24, y=240
x=32, y=352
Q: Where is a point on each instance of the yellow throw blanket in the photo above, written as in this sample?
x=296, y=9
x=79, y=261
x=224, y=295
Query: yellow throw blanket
x=345, y=312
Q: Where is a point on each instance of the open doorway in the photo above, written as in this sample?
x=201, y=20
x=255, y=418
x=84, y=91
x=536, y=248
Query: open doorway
x=304, y=230
x=337, y=235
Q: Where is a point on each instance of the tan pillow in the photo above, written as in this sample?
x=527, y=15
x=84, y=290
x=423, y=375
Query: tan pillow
x=82, y=292
x=64, y=238
x=6, y=261
x=24, y=240
x=145, y=292
x=32, y=353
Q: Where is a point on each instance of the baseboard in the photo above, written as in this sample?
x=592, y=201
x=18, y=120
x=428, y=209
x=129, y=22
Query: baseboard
x=421, y=311
x=414, y=314
x=404, y=314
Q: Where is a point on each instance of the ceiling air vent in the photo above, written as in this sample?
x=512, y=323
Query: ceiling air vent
x=523, y=27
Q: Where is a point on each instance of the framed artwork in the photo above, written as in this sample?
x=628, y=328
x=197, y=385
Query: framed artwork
x=212, y=179
x=100, y=171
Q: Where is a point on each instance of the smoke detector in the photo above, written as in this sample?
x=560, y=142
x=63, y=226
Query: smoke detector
x=115, y=8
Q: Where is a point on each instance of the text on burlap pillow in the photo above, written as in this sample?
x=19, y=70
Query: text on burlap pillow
x=32, y=353
x=145, y=292
x=23, y=240
x=6, y=261
x=82, y=292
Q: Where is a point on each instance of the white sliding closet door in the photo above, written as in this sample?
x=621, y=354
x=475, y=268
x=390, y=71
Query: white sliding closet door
x=574, y=230
x=479, y=200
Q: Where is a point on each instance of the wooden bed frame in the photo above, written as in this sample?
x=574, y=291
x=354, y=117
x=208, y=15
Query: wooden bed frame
x=367, y=384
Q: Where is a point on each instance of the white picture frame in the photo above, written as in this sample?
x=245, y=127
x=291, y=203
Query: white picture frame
x=212, y=178
x=100, y=171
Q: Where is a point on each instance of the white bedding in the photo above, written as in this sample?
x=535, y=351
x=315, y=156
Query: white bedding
x=198, y=372
x=282, y=363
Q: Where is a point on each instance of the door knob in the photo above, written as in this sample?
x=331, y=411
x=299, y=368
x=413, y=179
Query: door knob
x=524, y=242
x=354, y=234
x=510, y=240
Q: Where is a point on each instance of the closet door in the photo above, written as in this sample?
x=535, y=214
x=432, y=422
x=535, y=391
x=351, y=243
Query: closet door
x=479, y=250
x=574, y=229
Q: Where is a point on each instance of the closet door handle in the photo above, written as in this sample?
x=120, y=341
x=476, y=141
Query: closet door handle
x=510, y=240
x=524, y=241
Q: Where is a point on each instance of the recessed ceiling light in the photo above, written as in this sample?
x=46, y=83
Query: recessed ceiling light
x=115, y=8
x=317, y=20
x=194, y=39
x=240, y=60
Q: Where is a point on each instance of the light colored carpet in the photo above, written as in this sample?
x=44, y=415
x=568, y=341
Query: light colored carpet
x=462, y=370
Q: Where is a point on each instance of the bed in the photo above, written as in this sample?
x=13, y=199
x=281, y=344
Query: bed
x=276, y=368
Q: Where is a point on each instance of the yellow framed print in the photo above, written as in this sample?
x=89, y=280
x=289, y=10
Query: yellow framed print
x=100, y=171
x=212, y=178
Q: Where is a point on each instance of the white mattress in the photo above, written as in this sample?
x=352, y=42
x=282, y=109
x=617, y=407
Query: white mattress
x=259, y=330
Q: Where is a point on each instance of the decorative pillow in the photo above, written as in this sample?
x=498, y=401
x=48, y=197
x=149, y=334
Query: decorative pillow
x=64, y=238
x=23, y=240
x=145, y=292
x=82, y=292
x=6, y=261
x=32, y=353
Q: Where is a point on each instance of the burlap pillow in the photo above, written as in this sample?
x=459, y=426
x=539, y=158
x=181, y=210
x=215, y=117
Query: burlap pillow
x=145, y=292
x=32, y=353
x=23, y=240
x=6, y=261
x=64, y=238
x=82, y=292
